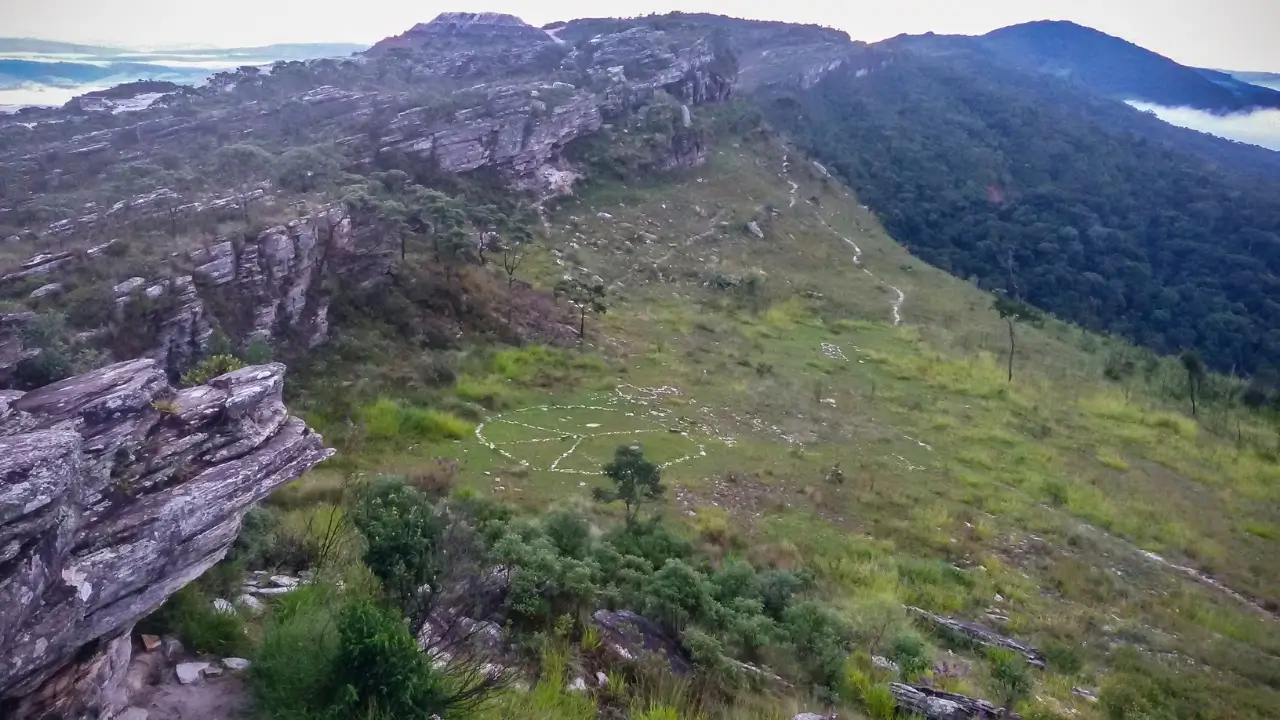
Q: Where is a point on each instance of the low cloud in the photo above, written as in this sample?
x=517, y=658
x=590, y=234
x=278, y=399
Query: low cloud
x=1260, y=127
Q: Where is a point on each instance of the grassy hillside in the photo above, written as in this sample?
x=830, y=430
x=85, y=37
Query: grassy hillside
x=821, y=399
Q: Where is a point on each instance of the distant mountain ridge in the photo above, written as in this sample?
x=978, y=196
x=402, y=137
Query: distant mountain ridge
x=1118, y=68
x=1103, y=64
x=27, y=63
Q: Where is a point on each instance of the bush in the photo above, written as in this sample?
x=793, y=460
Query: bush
x=403, y=535
x=489, y=392
x=544, y=585
x=569, y=531
x=1010, y=674
x=879, y=703
x=378, y=671
x=677, y=595
x=1063, y=658
x=908, y=650
x=821, y=641
x=293, y=667
x=389, y=420
x=265, y=542
x=209, y=368
x=189, y=615
x=437, y=480
x=653, y=541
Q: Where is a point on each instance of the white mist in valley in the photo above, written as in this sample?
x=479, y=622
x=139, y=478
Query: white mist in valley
x=1260, y=127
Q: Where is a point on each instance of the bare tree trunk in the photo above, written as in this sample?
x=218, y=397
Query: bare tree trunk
x=1012, y=349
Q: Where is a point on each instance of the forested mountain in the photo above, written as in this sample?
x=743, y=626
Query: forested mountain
x=1044, y=189
x=1118, y=68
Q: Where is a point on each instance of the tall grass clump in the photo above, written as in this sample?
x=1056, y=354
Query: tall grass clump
x=388, y=420
x=541, y=366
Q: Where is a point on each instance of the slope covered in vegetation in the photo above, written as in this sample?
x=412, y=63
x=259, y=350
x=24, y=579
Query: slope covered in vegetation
x=825, y=406
x=1031, y=186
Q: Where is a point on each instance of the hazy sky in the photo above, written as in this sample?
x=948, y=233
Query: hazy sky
x=1235, y=34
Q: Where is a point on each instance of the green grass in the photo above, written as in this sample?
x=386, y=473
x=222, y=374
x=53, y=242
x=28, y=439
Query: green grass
x=389, y=420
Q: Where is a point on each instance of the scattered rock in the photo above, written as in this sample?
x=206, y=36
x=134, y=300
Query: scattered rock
x=601, y=679
x=284, y=581
x=1085, y=693
x=171, y=648
x=252, y=604
x=224, y=607
x=190, y=672
x=983, y=636
x=754, y=228
x=884, y=663
x=578, y=685
x=212, y=671
x=604, y=216
x=235, y=664
x=150, y=642
x=628, y=636
x=46, y=291
x=942, y=705
x=814, y=716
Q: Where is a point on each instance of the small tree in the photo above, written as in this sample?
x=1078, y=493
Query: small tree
x=586, y=298
x=636, y=480
x=1012, y=310
x=1196, y=375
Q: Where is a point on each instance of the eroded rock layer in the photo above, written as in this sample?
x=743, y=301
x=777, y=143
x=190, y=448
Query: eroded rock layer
x=115, y=491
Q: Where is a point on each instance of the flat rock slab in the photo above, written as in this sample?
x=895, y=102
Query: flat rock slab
x=191, y=672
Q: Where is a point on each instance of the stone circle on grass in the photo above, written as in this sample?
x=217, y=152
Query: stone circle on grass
x=580, y=439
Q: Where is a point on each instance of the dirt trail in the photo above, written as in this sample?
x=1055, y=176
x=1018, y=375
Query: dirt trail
x=896, y=305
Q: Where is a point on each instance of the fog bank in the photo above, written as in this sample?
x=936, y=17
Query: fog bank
x=1260, y=127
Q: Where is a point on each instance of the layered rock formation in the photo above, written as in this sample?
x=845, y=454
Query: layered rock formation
x=272, y=287
x=472, y=90
x=118, y=490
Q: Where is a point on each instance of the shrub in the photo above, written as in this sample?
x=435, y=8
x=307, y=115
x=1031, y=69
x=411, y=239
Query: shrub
x=293, y=666
x=189, y=615
x=489, y=392
x=265, y=542
x=389, y=420
x=1010, y=674
x=653, y=541
x=403, y=534
x=1063, y=658
x=378, y=671
x=676, y=595
x=437, y=480
x=209, y=368
x=569, y=531
x=777, y=589
x=879, y=702
x=544, y=585
x=908, y=650
x=821, y=640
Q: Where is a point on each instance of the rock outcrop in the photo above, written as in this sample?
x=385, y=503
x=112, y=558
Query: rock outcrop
x=272, y=287
x=482, y=90
x=118, y=490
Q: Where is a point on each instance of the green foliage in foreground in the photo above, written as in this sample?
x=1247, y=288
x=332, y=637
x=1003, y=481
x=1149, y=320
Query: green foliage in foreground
x=209, y=368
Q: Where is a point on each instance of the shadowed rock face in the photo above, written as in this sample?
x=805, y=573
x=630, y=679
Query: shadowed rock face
x=115, y=491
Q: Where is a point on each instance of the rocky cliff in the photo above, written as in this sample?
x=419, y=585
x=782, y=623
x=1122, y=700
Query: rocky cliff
x=274, y=286
x=118, y=490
